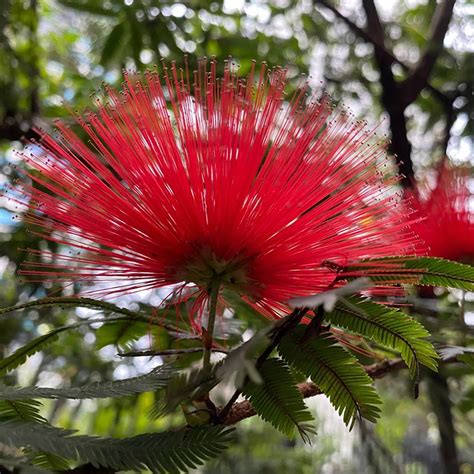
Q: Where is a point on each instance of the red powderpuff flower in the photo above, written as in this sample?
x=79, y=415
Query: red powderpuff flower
x=222, y=182
x=446, y=215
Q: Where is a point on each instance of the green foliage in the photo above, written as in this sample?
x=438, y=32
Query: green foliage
x=193, y=384
x=21, y=410
x=466, y=404
x=156, y=379
x=64, y=302
x=416, y=270
x=277, y=399
x=335, y=371
x=113, y=43
x=121, y=333
x=189, y=386
x=40, y=66
x=29, y=411
x=39, y=343
x=468, y=359
x=88, y=6
x=46, y=461
x=389, y=327
x=186, y=386
x=35, y=345
x=168, y=452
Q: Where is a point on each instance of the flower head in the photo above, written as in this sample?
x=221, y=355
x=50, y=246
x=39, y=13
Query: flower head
x=446, y=215
x=219, y=181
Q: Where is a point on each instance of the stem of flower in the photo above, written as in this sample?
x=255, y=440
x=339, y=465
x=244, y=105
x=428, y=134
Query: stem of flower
x=211, y=319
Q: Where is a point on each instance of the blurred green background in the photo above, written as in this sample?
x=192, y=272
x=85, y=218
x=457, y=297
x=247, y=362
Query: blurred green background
x=364, y=54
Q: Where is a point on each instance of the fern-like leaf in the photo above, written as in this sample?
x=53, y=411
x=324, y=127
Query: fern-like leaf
x=277, y=399
x=64, y=302
x=468, y=359
x=121, y=333
x=186, y=386
x=21, y=410
x=415, y=270
x=335, y=371
x=39, y=343
x=156, y=379
x=191, y=385
x=46, y=461
x=168, y=452
x=32, y=347
x=389, y=327
x=98, y=305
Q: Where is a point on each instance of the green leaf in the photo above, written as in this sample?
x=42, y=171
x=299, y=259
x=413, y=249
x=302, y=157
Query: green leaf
x=277, y=399
x=98, y=305
x=113, y=43
x=335, y=371
x=328, y=299
x=468, y=359
x=135, y=36
x=71, y=301
x=88, y=6
x=46, y=461
x=415, y=270
x=466, y=404
x=20, y=355
x=167, y=452
x=32, y=347
x=389, y=327
x=191, y=385
x=186, y=386
x=121, y=333
x=156, y=379
x=21, y=410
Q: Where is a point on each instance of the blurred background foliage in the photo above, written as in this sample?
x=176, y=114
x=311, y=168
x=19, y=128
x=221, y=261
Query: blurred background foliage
x=364, y=54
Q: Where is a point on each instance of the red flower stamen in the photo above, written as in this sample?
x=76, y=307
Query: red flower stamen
x=446, y=214
x=219, y=181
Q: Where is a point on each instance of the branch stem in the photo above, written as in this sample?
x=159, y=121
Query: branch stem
x=207, y=334
x=167, y=352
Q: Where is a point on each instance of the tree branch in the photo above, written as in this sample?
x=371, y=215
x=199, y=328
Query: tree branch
x=388, y=56
x=400, y=146
x=375, y=26
x=418, y=80
x=438, y=392
x=396, y=96
x=165, y=352
x=450, y=119
x=12, y=129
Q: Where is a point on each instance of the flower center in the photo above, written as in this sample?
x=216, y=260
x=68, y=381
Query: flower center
x=206, y=269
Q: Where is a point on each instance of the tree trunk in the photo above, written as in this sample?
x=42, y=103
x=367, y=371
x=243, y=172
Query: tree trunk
x=438, y=390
